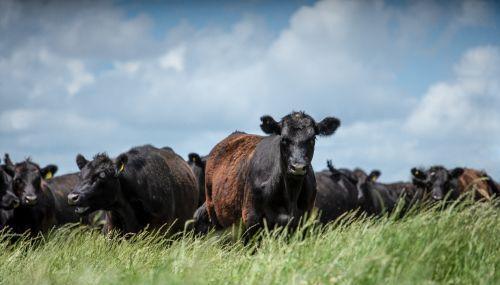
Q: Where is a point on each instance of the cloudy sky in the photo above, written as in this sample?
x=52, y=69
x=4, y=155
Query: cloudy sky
x=414, y=84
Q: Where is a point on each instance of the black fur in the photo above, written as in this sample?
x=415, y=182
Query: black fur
x=337, y=193
x=197, y=165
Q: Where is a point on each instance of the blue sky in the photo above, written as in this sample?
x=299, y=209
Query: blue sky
x=415, y=83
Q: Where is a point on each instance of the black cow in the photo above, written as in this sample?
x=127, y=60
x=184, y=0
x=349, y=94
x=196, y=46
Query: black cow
x=197, y=165
x=145, y=186
x=260, y=179
x=37, y=213
x=337, y=193
x=378, y=198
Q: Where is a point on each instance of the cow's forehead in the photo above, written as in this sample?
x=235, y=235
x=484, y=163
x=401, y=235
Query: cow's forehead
x=298, y=124
x=25, y=167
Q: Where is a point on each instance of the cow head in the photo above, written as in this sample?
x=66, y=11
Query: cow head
x=99, y=185
x=8, y=200
x=29, y=181
x=362, y=176
x=438, y=181
x=298, y=133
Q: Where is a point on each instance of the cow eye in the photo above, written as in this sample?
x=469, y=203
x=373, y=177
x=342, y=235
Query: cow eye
x=102, y=175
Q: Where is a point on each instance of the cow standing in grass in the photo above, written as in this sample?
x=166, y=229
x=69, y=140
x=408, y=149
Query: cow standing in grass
x=442, y=183
x=337, y=193
x=144, y=187
x=260, y=179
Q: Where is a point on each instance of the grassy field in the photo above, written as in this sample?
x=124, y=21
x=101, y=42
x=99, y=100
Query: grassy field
x=456, y=246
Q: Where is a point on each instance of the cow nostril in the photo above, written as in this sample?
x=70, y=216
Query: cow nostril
x=73, y=198
x=31, y=199
x=298, y=168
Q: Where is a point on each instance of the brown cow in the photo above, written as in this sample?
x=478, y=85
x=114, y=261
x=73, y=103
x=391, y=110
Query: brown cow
x=257, y=178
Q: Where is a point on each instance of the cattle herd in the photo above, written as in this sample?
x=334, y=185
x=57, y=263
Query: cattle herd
x=254, y=180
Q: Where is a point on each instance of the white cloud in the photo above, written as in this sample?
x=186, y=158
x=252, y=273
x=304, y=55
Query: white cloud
x=466, y=106
x=80, y=77
x=173, y=59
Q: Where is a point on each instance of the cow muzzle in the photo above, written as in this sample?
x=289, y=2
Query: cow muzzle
x=297, y=169
x=30, y=200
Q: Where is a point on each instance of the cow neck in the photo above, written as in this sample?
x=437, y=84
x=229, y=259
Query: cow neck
x=122, y=214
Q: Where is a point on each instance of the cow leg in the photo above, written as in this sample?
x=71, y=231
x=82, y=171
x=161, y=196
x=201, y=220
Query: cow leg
x=253, y=212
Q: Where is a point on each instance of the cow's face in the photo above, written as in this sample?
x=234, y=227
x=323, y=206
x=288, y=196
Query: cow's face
x=437, y=181
x=28, y=179
x=8, y=200
x=99, y=184
x=298, y=133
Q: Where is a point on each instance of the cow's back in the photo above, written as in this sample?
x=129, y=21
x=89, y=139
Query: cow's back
x=160, y=185
x=333, y=198
x=225, y=174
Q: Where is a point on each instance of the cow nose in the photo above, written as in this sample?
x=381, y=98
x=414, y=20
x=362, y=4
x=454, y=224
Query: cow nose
x=30, y=199
x=298, y=168
x=437, y=196
x=73, y=198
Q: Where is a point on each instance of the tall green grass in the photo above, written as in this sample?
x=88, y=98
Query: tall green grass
x=455, y=246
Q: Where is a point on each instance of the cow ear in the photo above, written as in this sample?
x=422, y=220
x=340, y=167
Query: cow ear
x=417, y=173
x=270, y=126
x=457, y=172
x=81, y=161
x=374, y=175
x=48, y=171
x=120, y=163
x=327, y=126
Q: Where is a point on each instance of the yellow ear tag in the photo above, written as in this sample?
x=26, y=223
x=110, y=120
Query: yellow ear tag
x=48, y=175
x=122, y=167
x=374, y=178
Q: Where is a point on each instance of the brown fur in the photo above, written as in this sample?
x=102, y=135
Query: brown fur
x=225, y=184
x=474, y=180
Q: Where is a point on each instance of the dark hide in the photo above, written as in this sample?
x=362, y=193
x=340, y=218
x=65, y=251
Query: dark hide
x=144, y=187
x=197, y=165
x=336, y=195
x=379, y=198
